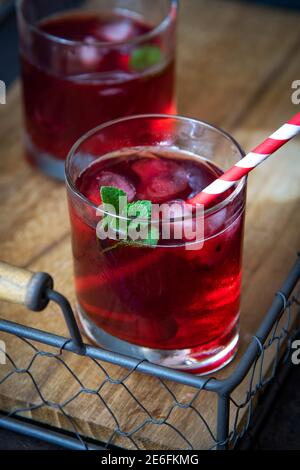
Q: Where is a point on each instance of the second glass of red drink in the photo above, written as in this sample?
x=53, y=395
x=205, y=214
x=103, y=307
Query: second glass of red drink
x=87, y=62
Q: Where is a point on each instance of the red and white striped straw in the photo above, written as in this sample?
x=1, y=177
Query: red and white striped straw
x=258, y=155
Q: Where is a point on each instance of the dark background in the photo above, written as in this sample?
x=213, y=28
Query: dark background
x=282, y=427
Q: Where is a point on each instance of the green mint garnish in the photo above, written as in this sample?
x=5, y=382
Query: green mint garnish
x=136, y=217
x=153, y=237
x=141, y=209
x=145, y=57
x=111, y=195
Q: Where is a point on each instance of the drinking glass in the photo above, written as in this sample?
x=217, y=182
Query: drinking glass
x=86, y=62
x=169, y=304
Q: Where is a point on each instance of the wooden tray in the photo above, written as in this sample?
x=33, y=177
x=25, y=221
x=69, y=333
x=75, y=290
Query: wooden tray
x=236, y=66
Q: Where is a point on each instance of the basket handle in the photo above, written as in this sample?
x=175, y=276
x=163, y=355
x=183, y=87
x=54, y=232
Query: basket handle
x=21, y=286
x=35, y=291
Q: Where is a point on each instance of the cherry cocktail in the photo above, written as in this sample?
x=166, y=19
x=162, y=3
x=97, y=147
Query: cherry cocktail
x=83, y=67
x=170, y=303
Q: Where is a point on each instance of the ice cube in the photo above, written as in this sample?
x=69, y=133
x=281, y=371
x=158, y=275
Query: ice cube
x=117, y=31
x=89, y=55
x=199, y=179
x=164, y=188
x=215, y=223
x=150, y=166
x=161, y=180
x=108, y=178
x=183, y=222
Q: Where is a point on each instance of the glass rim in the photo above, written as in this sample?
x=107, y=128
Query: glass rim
x=162, y=26
x=215, y=208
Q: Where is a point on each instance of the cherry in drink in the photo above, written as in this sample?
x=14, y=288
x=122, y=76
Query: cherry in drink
x=167, y=303
x=81, y=68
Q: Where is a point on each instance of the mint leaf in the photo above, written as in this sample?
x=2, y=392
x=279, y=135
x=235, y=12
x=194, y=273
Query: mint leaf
x=138, y=215
x=142, y=209
x=145, y=57
x=111, y=195
x=111, y=198
x=153, y=237
x=141, y=224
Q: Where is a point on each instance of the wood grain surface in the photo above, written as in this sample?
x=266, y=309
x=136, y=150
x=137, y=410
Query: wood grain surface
x=236, y=65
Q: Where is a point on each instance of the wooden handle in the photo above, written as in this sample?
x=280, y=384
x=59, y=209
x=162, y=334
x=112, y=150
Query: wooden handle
x=14, y=283
x=24, y=287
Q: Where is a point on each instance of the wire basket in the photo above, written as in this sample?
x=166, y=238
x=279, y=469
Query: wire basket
x=232, y=418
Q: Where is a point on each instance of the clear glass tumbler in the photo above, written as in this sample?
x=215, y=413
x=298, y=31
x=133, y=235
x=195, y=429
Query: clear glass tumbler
x=86, y=62
x=173, y=303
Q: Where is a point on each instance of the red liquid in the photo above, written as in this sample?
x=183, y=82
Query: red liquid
x=164, y=297
x=69, y=90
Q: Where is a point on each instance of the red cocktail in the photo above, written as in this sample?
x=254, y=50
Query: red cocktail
x=83, y=67
x=168, y=303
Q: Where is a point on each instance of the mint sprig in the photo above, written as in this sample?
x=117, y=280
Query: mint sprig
x=135, y=216
x=111, y=195
x=145, y=57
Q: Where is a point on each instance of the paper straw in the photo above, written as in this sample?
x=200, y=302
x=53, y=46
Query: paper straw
x=258, y=155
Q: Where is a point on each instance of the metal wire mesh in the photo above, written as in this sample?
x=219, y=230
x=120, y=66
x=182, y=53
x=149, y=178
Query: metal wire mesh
x=278, y=345
x=123, y=428
x=121, y=406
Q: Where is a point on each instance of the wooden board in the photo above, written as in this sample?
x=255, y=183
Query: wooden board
x=236, y=65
